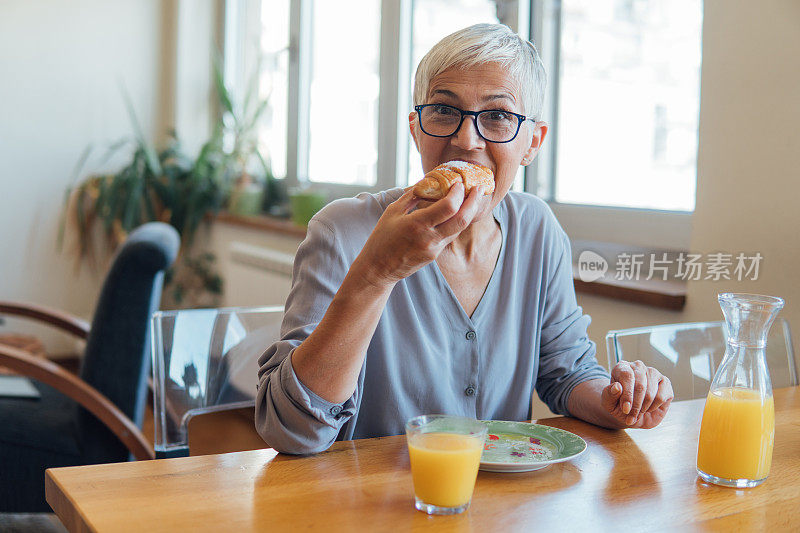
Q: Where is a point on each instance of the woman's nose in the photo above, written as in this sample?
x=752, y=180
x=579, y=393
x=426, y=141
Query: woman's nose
x=467, y=137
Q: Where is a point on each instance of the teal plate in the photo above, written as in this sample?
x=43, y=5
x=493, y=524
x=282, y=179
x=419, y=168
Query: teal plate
x=522, y=447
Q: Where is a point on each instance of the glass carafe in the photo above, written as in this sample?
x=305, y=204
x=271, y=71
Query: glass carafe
x=738, y=429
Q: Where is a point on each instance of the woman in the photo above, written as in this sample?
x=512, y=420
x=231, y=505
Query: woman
x=462, y=306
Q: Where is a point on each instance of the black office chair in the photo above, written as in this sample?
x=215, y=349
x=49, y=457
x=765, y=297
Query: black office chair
x=96, y=417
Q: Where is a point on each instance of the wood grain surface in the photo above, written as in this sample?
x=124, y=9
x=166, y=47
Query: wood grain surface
x=632, y=480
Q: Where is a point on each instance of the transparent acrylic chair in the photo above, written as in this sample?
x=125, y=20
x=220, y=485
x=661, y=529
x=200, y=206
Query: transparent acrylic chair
x=205, y=361
x=688, y=354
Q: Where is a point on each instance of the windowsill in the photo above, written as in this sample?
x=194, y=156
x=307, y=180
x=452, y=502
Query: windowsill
x=654, y=293
x=264, y=222
x=642, y=228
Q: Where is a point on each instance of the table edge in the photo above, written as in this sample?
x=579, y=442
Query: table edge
x=64, y=506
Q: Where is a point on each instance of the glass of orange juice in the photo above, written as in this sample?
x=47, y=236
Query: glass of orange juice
x=445, y=453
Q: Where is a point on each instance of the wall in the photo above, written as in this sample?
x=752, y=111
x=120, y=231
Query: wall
x=749, y=158
x=62, y=65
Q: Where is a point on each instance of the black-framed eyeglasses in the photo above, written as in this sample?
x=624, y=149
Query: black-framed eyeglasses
x=493, y=125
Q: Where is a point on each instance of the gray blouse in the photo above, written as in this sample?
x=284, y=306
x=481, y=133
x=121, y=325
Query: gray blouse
x=427, y=355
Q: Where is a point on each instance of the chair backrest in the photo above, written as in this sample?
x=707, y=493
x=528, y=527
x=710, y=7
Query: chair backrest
x=115, y=361
x=205, y=360
x=688, y=354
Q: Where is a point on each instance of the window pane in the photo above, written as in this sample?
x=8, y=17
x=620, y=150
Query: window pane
x=629, y=94
x=273, y=82
x=433, y=20
x=343, y=117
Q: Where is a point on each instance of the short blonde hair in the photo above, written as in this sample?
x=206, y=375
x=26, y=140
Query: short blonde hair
x=481, y=44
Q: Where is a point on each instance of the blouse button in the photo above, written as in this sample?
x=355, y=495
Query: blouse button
x=336, y=409
x=469, y=391
x=471, y=335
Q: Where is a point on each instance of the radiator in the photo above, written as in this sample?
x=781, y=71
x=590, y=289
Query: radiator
x=255, y=275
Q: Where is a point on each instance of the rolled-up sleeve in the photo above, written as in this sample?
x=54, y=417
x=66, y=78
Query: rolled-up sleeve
x=567, y=357
x=289, y=416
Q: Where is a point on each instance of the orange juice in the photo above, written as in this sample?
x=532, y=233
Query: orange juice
x=737, y=435
x=444, y=467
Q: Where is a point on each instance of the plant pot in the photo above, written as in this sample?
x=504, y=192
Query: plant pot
x=246, y=200
x=305, y=205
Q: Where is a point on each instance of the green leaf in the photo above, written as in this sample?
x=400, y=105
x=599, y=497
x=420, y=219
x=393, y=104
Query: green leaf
x=219, y=83
x=152, y=159
x=131, y=206
x=80, y=216
x=67, y=193
x=149, y=209
x=112, y=149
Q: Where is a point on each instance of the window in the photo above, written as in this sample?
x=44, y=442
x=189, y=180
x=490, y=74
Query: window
x=343, y=114
x=257, y=44
x=624, y=103
x=273, y=78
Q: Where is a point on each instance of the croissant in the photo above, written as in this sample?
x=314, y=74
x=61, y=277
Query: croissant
x=437, y=182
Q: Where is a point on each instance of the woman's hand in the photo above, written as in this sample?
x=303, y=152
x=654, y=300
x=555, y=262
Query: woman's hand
x=638, y=395
x=405, y=240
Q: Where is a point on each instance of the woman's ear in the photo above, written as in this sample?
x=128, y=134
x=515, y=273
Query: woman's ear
x=539, y=133
x=412, y=125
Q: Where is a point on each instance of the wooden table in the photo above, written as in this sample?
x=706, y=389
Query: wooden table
x=630, y=480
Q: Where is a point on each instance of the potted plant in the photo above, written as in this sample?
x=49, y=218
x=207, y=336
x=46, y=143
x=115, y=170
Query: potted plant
x=169, y=186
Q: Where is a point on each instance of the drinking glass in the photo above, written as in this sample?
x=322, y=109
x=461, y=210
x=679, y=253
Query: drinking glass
x=445, y=453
